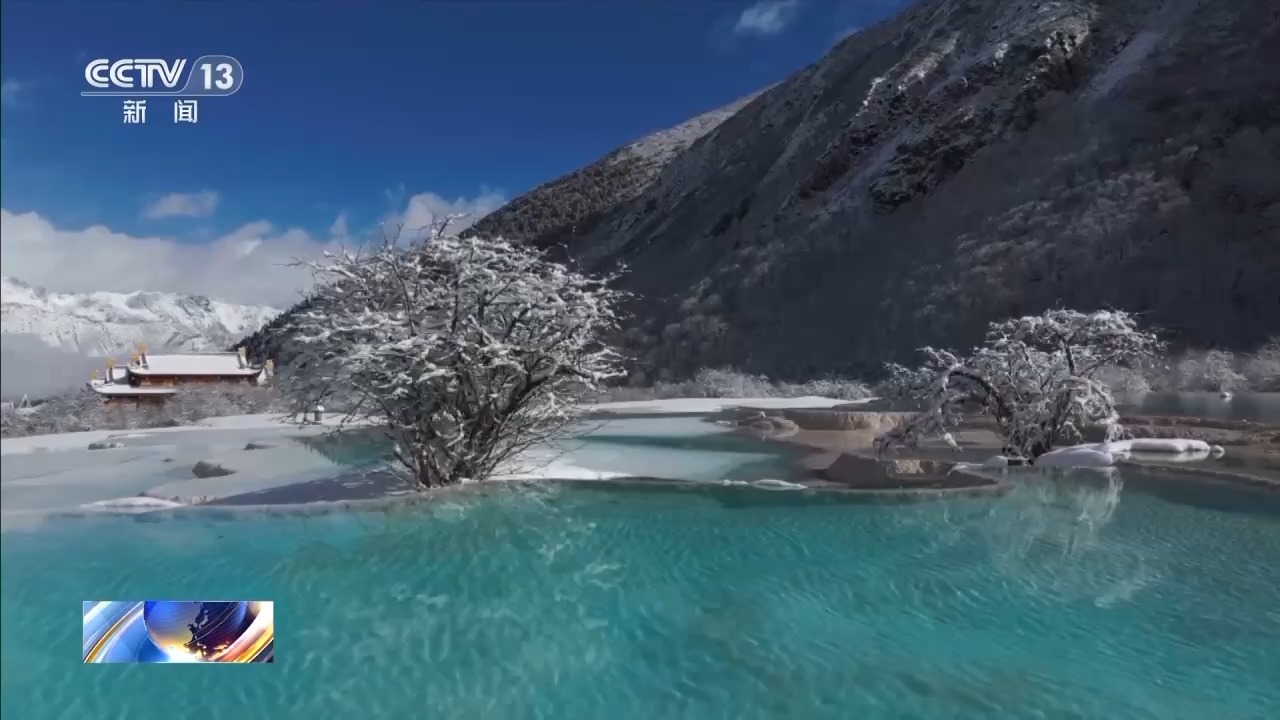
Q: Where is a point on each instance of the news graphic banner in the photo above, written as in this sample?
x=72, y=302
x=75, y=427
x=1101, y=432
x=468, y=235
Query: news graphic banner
x=178, y=631
x=141, y=78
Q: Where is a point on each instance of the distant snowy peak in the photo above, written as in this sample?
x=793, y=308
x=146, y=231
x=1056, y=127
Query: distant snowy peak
x=104, y=323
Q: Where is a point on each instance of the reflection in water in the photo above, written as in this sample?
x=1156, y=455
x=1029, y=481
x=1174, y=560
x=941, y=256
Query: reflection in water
x=1059, y=511
x=359, y=448
x=1049, y=536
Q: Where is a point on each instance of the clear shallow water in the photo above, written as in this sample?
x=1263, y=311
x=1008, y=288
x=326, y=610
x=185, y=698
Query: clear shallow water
x=591, y=601
x=688, y=448
x=674, y=448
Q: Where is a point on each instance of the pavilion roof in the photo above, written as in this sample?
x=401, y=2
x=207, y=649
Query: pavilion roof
x=224, y=364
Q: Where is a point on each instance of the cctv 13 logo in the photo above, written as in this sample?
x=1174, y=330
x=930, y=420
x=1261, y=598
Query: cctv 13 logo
x=210, y=75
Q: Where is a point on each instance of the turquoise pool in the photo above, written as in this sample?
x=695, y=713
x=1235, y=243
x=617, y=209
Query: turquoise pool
x=645, y=601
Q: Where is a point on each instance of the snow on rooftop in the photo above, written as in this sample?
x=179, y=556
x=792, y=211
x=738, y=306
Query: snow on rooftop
x=194, y=364
x=129, y=390
x=120, y=386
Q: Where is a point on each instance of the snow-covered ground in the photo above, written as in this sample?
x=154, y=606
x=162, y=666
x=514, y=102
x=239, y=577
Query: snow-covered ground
x=80, y=440
x=152, y=469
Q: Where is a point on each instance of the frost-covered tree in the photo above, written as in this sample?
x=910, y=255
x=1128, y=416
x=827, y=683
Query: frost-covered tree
x=1212, y=371
x=1036, y=376
x=466, y=351
x=1127, y=384
x=78, y=410
x=1263, y=368
x=193, y=403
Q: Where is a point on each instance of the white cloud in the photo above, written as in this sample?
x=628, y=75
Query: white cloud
x=425, y=208
x=766, y=17
x=249, y=265
x=196, y=204
x=9, y=90
x=339, y=227
x=59, y=369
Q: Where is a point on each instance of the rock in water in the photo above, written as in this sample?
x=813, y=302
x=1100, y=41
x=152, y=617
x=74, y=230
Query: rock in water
x=868, y=473
x=105, y=445
x=204, y=469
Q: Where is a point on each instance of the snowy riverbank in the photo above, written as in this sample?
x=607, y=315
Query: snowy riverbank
x=256, y=460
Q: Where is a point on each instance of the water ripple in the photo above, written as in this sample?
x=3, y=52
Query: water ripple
x=1057, y=600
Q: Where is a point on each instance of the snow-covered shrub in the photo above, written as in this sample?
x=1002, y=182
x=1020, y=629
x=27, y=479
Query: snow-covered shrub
x=729, y=383
x=1212, y=371
x=904, y=385
x=1262, y=369
x=465, y=351
x=837, y=388
x=1035, y=376
x=79, y=410
x=1126, y=384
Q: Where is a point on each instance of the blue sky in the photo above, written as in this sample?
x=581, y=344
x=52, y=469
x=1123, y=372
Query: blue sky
x=348, y=113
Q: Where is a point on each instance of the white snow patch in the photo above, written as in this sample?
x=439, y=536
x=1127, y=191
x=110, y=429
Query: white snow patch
x=1076, y=457
x=1106, y=454
x=772, y=484
x=1186, y=457
x=78, y=440
x=560, y=470
x=995, y=462
x=1160, y=445
x=132, y=503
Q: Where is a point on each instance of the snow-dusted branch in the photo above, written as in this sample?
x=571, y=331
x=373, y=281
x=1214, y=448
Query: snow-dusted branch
x=467, y=351
x=1033, y=375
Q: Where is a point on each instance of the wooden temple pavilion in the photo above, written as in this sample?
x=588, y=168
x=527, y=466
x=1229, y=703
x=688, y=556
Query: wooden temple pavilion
x=153, y=378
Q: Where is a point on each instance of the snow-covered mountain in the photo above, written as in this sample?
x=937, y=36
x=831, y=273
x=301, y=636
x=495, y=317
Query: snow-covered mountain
x=105, y=323
x=961, y=162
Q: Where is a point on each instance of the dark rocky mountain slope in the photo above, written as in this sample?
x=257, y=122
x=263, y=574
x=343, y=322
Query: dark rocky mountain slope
x=963, y=161
x=572, y=205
